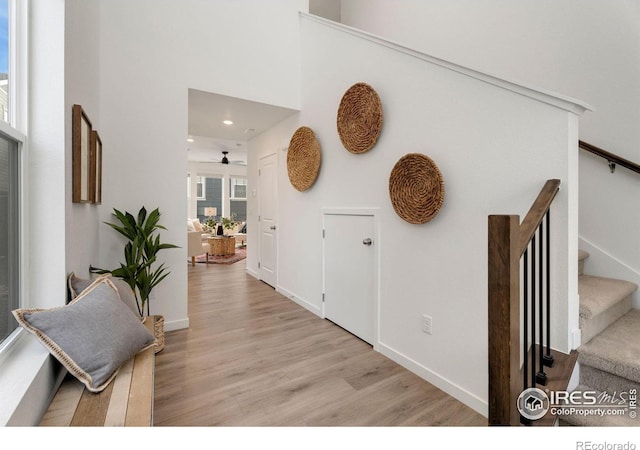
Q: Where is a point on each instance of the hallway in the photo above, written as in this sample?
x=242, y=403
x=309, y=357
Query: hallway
x=252, y=357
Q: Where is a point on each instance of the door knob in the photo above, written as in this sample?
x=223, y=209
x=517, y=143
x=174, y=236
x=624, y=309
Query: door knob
x=272, y=227
x=367, y=241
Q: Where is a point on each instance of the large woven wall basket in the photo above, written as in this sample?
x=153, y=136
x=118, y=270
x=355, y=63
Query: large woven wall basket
x=359, y=118
x=303, y=159
x=416, y=188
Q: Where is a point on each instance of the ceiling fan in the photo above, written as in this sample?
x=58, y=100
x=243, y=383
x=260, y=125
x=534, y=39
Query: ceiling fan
x=225, y=160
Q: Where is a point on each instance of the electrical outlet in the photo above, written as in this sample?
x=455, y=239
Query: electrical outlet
x=427, y=324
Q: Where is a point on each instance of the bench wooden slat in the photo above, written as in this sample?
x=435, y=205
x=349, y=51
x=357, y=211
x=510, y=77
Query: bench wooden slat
x=119, y=397
x=140, y=404
x=92, y=408
x=60, y=412
x=127, y=401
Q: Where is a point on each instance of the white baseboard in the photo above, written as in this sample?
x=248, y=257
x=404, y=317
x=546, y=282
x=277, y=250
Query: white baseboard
x=291, y=296
x=305, y=304
x=176, y=324
x=469, y=399
x=253, y=273
x=479, y=405
x=576, y=339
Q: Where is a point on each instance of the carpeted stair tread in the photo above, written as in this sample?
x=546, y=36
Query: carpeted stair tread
x=605, y=381
x=597, y=294
x=597, y=420
x=616, y=350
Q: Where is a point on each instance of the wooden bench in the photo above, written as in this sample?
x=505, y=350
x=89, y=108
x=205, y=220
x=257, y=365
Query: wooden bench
x=127, y=401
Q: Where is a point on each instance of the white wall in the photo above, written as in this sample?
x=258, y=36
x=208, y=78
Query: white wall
x=151, y=54
x=47, y=154
x=495, y=149
x=329, y=9
x=588, y=49
x=82, y=86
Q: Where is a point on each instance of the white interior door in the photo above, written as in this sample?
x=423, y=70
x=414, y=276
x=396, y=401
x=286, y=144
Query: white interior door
x=267, y=261
x=350, y=257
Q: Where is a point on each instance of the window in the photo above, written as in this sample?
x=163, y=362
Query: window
x=238, y=188
x=4, y=97
x=201, y=191
x=9, y=234
x=227, y=194
x=238, y=198
x=4, y=60
x=212, y=196
x=11, y=172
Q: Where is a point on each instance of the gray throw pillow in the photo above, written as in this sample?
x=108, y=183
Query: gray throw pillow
x=92, y=336
x=77, y=285
x=126, y=294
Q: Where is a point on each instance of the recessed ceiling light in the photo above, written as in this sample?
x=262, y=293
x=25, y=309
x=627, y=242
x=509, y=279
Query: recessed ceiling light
x=227, y=122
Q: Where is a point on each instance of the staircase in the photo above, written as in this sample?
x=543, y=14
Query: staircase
x=609, y=356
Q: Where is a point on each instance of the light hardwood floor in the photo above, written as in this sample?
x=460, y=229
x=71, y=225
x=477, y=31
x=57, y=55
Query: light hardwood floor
x=252, y=357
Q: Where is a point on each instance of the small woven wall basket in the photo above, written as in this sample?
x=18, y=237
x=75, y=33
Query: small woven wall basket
x=303, y=159
x=359, y=118
x=416, y=188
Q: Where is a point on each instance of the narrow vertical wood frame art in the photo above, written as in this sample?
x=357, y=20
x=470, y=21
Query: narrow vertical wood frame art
x=82, y=157
x=96, y=164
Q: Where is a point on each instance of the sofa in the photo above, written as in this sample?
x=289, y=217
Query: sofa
x=196, y=246
x=241, y=234
x=195, y=225
x=239, y=231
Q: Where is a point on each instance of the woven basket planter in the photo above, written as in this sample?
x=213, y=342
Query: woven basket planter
x=416, y=188
x=158, y=328
x=303, y=159
x=359, y=118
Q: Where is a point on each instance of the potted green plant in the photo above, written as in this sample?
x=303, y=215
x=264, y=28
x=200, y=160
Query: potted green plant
x=209, y=226
x=229, y=223
x=139, y=270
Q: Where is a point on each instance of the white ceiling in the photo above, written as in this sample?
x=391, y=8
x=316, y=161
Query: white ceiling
x=211, y=137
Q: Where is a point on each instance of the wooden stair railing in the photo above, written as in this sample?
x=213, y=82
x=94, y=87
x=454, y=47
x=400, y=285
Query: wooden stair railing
x=510, y=242
x=611, y=158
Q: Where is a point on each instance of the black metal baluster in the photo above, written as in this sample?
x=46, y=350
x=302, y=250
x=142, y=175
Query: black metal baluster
x=525, y=331
x=525, y=313
x=533, y=310
x=541, y=377
x=548, y=358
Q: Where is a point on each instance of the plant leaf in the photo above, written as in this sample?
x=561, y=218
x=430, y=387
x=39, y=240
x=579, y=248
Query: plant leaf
x=140, y=253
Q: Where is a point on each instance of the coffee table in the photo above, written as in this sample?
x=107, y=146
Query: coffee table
x=222, y=246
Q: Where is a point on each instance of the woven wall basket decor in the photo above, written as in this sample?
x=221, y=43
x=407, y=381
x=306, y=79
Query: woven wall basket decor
x=303, y=159
x=416, y=188
x=359, y=118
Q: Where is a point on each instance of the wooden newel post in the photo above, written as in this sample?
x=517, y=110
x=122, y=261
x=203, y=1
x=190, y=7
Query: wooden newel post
x=504, y=318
